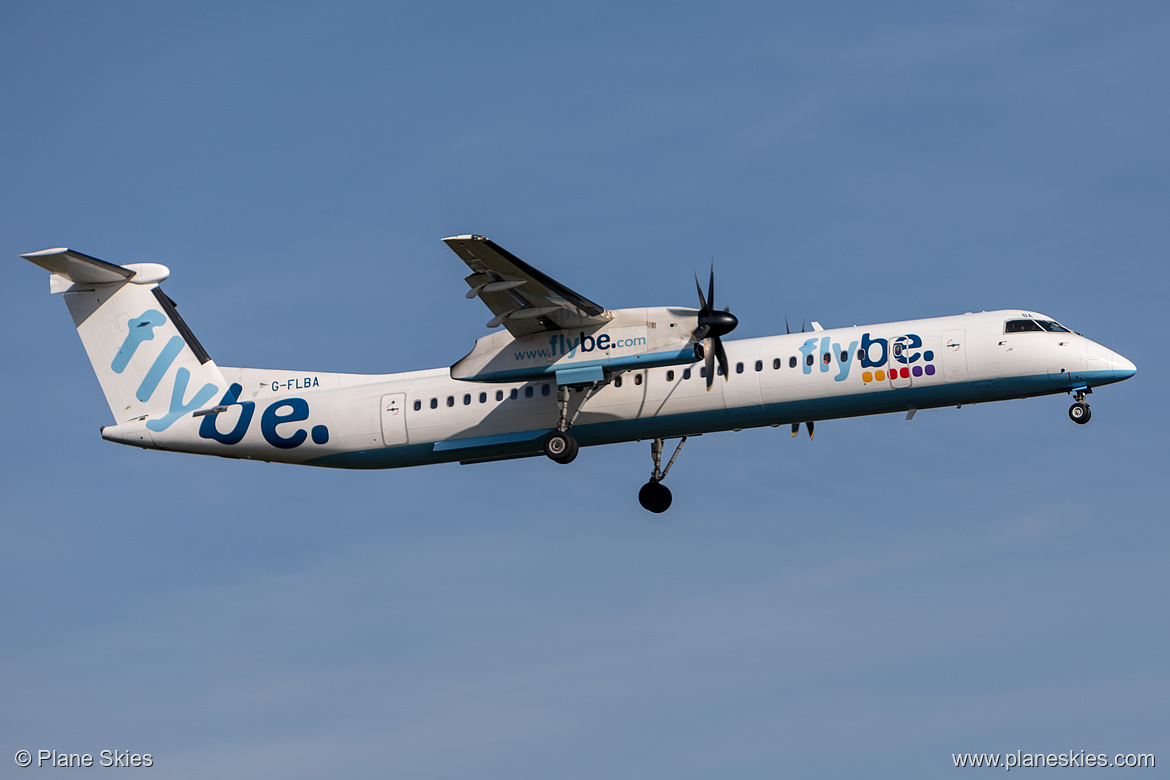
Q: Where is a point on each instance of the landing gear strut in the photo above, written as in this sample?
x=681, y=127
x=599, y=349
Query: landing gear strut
x=1079, y=411
x=654, y=496
x=559, y=445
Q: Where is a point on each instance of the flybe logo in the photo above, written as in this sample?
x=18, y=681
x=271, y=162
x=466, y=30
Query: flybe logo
x=901, y=357
x=287, y=410
x=142, y=329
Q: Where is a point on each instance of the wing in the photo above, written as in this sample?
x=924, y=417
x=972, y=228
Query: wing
x=523, y=299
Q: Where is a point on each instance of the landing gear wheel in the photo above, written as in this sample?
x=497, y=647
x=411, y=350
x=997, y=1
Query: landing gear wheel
x=1079, y=413
x=655, y=497
x=560, y=447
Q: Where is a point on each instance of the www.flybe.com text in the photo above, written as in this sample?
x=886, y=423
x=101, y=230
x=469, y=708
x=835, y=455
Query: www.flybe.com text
x=559, y=346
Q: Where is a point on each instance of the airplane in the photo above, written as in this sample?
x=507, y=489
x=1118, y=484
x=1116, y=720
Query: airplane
x=557, y=373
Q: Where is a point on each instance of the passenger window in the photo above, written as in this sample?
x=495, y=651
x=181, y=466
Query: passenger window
x=637, y=379
x=776, y=363
x=528, y=392
x=703, y=372
x=483, y=398
x=808, y=360
x=792, y=362
x=499, y=395
x=669, y=376
x=719, y=370
x=844, y=356
x=739, y=368
x=759, y=365
x=861, y=354
x=545, y=389
x=617, y=381
x=434, y=403
x=417, y=404
x=514, y=394
x=827, y=358
x=450, y=400
x=686, y=373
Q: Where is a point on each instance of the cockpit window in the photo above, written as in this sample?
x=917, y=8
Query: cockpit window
x=1026, y=326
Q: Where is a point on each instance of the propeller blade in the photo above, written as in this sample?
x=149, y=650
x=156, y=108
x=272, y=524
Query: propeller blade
x=710, y=362
x=795, y=428
x=702, y=302
x=787, y=329
x=809, y=425
x=719, y=353
x=711, y=286
x=709, y=326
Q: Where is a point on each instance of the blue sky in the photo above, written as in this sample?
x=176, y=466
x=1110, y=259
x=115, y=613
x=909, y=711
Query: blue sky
x=989, y=579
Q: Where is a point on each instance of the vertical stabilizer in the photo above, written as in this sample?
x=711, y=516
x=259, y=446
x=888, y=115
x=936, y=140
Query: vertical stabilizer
x=148, y=362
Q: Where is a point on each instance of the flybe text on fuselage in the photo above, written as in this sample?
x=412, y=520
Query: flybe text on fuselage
x=902, y=353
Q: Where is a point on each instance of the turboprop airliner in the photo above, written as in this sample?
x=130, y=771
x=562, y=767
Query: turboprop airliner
x=558, y=372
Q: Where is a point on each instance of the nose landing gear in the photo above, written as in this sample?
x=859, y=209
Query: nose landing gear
x=654, y=496
x=1079, y=411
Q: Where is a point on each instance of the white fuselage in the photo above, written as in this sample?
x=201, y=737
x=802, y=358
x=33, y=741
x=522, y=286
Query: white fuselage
x=385, y=421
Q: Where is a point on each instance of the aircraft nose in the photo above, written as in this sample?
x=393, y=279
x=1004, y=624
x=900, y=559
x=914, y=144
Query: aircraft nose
x=1123, y=368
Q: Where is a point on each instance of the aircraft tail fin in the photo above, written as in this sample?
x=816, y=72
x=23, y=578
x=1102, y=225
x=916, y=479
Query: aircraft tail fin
x=148, y=362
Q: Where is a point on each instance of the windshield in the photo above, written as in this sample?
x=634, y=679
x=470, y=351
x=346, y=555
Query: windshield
x=1037, y=326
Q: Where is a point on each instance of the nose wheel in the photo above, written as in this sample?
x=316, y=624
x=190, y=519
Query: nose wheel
x=1079, y=412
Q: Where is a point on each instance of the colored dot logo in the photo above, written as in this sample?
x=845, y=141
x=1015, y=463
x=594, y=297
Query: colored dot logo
x=905, y=372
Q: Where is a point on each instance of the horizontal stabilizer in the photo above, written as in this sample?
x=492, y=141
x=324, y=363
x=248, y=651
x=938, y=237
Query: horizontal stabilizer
x=79, y=268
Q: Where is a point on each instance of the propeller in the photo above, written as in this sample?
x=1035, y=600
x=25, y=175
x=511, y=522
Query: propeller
x=809, y=425
x=712, y=326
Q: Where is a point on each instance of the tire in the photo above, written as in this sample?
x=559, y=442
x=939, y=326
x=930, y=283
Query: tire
x=1079, y=413
x=560, y=447
x=655, y=497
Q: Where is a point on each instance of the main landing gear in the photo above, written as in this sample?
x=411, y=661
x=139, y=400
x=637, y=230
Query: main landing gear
x=655, y=496
x=559, y=445
x=1079, y=412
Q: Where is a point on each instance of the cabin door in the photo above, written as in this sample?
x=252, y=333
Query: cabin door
x=394, y=419
x=954, y=355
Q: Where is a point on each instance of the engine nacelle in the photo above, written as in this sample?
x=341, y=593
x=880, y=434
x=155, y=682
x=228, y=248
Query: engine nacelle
x=633, y=339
